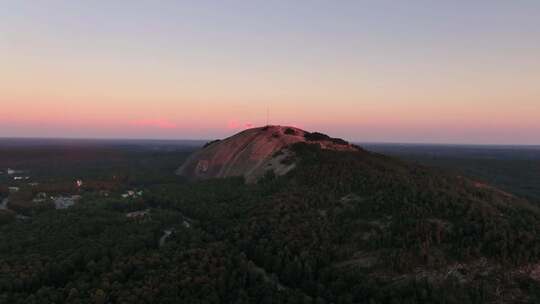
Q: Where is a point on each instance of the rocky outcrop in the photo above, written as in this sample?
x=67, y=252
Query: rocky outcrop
x=254, y=152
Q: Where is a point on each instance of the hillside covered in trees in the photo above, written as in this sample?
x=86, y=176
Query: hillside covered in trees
x=342, y=227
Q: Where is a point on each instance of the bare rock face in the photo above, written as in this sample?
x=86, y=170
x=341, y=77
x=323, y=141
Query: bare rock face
x=254, y=152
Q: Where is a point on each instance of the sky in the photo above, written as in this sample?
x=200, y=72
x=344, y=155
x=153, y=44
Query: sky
x=375, y=71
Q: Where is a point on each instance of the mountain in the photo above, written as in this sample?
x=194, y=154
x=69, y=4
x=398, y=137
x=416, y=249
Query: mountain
x=340, y=225
x=350, y=226
x=255, y=152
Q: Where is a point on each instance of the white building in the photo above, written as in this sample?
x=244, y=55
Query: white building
x=138, y=214
x=79, y=183
x=132, y=193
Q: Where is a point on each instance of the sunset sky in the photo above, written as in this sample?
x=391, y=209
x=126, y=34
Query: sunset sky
x=378, y=71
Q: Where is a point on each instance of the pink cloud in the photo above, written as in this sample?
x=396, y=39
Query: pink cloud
x=234, y=124
x=155, y=123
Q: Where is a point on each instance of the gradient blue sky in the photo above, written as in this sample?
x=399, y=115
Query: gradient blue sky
x=400, y=71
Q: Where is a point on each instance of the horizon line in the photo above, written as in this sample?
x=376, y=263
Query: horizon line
x=202, y=140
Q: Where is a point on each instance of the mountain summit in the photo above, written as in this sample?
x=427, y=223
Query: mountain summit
x=255, y=152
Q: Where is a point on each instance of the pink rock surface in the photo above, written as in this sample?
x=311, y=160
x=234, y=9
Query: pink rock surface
x=251, y=153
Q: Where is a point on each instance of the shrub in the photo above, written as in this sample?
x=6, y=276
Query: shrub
x=6, y=217
x=339, y=141
x=290, y=131
x=316, y=136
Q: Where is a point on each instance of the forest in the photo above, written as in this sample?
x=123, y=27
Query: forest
x=343, y=227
